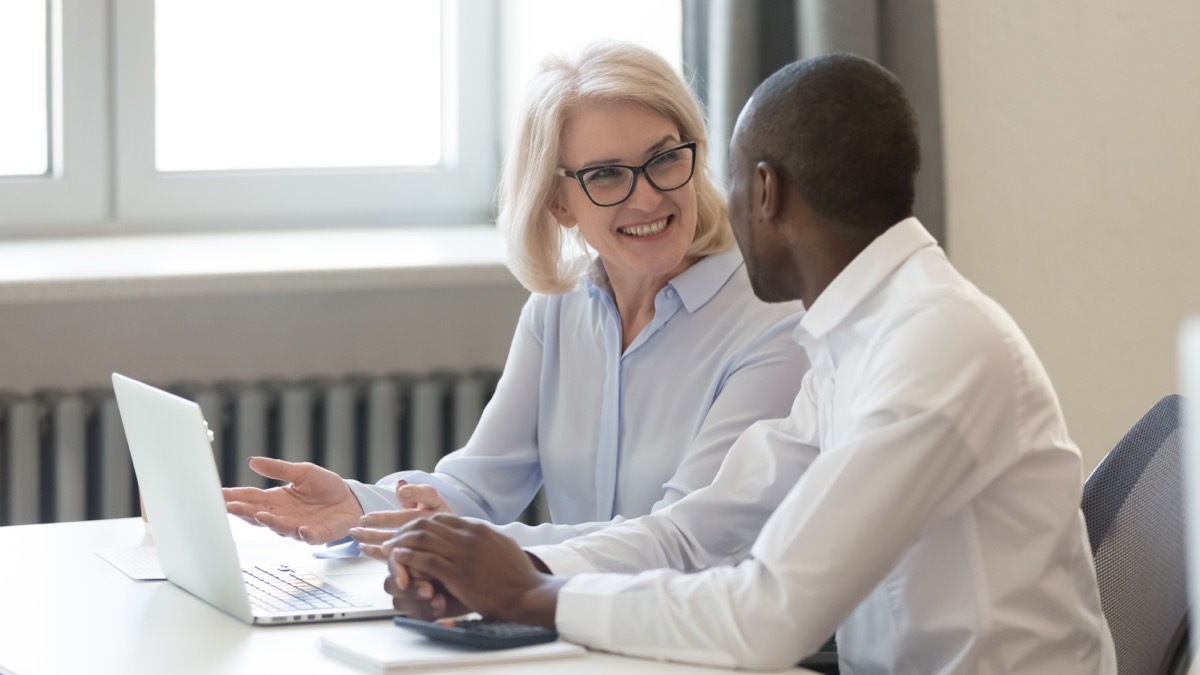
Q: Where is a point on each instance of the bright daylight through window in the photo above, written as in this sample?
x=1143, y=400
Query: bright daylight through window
x=24, y=118
x=284, y=84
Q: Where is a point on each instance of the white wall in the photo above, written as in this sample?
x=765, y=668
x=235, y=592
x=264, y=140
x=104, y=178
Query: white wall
x=1071, y=134
x=214, y=337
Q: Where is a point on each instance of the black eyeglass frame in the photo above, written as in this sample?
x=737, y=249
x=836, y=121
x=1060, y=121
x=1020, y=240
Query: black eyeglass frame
x=583, y=173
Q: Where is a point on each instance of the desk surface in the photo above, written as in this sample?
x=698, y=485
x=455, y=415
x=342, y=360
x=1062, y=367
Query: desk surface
x=67, y=610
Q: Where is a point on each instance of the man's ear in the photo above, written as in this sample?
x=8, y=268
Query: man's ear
x=767, y=192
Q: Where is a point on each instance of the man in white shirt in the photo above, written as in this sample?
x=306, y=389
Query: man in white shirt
x=924, y=489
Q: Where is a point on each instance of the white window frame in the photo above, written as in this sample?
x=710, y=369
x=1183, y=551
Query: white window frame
x=103, y=177
x=458, y=190
x=75, y=191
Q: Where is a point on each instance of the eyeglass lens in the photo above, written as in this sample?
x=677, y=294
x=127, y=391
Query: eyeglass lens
x=670, y=170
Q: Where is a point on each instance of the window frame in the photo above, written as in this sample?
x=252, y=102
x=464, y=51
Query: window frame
x=74, y=191
x=103, y=177
x=459, y=190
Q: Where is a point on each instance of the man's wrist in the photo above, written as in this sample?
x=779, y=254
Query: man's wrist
x=538, y=605
x=537, y=563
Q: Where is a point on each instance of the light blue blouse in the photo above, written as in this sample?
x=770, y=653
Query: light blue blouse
x=617, y=434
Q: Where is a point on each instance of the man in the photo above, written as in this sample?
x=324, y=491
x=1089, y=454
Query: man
x=931, y=512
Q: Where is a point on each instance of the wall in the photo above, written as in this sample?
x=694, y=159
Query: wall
x=1071, y=135
x=246, y=336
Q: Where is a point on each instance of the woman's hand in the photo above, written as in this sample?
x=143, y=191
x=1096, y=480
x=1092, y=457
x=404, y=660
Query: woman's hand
x=316, y=506
x=375, y=528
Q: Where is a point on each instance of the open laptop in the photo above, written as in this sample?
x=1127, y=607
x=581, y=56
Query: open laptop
x=177, y=476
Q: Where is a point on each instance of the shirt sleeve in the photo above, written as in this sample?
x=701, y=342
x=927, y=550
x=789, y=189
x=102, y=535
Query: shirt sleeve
x=930, y=399
x=761, y=381
x=496, y=474
x=712, y=526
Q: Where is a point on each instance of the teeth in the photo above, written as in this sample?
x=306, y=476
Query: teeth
x=645, y=230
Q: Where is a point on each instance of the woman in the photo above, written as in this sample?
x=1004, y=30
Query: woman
x=630, y=374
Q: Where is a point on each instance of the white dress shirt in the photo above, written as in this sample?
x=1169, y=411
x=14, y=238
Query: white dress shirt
x=937, y=529
x=612, y=433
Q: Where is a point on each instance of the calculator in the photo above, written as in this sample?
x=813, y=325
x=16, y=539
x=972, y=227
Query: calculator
x=481, y=633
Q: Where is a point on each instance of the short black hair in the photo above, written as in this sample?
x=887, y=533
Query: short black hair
x=841, y=131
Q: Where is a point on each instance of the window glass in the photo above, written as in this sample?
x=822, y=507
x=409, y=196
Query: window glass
x=535, y=28
x=24, y=126
x=287, y=84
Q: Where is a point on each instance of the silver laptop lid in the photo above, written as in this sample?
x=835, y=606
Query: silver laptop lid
x=177, y=477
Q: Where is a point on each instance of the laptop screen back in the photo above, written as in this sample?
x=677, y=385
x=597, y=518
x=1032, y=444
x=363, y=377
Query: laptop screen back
x=177, y=477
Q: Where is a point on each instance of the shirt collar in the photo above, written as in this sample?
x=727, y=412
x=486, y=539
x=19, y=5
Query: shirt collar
x=700, y=282
x=696, y=285
x=870, y=267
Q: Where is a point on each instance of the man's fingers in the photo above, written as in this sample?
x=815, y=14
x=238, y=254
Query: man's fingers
x=421, y=561
x=424, y=590
x=277, y=469
x=399, y=574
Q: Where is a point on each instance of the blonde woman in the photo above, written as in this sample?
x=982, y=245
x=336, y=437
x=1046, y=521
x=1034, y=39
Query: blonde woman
x=634, y=367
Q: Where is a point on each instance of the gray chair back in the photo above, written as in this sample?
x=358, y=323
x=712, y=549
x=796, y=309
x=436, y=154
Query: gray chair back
x=1133, y=504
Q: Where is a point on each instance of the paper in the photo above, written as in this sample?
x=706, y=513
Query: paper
x=139, y=562
x=384, y=648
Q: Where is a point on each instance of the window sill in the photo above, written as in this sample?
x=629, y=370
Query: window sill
x=250, y=262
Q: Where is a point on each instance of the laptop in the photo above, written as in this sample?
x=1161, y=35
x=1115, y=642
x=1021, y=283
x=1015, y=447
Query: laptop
x=177, y=476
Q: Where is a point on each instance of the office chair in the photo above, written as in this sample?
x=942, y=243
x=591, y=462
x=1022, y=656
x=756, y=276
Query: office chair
x=1133, y=505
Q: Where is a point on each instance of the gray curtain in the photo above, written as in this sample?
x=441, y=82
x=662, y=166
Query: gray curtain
x=730, y=46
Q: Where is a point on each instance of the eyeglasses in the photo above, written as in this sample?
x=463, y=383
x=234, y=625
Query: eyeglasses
x=611, y=184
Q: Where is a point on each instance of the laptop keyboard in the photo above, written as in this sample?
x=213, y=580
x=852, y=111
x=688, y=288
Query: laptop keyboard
x=283, y=589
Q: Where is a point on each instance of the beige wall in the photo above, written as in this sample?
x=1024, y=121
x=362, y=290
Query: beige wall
x=211, y=338
x=1072, y=165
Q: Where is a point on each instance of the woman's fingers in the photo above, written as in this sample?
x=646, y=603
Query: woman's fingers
x=391, y=519
x=420, y=497
x=278, y=469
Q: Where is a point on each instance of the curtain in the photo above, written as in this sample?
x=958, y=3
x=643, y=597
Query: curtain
x=730, y=46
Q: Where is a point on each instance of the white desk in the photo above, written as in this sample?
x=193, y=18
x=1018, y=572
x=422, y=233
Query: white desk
x=63, y=609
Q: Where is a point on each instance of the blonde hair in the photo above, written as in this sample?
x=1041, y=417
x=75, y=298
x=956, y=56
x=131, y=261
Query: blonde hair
x=603, y=72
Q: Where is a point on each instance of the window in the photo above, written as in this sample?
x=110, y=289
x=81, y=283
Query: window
x=534, y=28
x=278, y=142
x=24, y=118
x=159, y=115
x=334, y=85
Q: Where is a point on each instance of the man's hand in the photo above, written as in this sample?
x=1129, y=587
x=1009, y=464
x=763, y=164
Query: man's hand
x=479, y=567
x=316, y=506
x=375, y=528
x=420, y=598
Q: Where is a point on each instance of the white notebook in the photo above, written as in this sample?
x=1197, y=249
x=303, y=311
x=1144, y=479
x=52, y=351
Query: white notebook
x=384, y=648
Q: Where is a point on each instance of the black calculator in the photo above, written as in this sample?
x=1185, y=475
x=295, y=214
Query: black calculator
x=481, y=633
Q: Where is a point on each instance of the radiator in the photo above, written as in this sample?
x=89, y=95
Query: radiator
x=63, y=455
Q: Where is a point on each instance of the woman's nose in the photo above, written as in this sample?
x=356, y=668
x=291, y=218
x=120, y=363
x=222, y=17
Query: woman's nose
x=645, y=197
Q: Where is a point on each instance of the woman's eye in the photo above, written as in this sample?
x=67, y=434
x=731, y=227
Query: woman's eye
x=667, y=158
x=604, y=174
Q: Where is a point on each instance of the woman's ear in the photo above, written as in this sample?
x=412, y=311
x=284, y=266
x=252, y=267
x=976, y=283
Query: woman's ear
x=560, y=211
